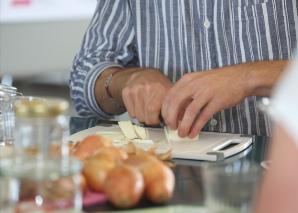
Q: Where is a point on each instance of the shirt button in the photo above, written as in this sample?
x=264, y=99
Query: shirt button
x=207, y=24
x=213, y=122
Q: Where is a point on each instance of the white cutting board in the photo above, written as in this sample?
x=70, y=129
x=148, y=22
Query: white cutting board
x=210, y=146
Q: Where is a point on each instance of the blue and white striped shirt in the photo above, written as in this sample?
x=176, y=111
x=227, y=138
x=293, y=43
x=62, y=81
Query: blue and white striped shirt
x=181, y=36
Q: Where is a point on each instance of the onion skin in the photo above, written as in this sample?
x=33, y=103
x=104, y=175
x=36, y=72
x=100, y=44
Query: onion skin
x=124, y=186
x=140, y=161
x=90, y=145
x=112, y=153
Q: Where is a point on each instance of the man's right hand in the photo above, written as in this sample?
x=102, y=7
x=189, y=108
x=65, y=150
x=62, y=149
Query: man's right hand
x=143, y=95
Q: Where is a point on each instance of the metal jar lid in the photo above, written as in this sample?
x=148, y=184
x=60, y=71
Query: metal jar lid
x=39, y=107
x=6, y=87
x=8, y=91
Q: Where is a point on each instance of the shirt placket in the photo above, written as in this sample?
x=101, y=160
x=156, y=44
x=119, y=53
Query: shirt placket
x=211, y=62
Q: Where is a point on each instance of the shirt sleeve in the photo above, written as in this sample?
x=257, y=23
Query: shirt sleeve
x=285, y=101
x=108, y=42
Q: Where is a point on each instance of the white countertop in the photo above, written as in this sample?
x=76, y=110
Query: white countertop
x=45, y=10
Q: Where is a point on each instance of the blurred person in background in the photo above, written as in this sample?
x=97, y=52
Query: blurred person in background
x=224, y=55
x=279, y=192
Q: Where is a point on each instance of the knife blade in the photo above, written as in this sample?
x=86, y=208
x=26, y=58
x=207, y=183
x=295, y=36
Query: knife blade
x=136, y=122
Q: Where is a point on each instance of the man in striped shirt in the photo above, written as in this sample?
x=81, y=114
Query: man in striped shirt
x=226, y=53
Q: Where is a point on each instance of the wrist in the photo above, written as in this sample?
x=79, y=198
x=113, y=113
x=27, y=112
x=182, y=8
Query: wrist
x=113, y=98
x=108, y=81
x=260, y=77
x=120, y=81
x=253, y=83
x=103, y=95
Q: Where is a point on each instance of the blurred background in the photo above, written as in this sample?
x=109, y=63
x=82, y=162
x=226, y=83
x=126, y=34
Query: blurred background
x=38, y=41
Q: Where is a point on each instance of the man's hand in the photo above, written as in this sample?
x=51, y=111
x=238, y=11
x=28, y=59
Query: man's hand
x=197, y=96
x=193, y=100
x=144, y=93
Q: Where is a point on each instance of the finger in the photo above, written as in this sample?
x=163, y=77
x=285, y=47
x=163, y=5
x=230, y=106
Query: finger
x=182, y=110
x=181, y=84
x=139, y=97
x=192, y=113
x=153, y=109
x=164, y=108
x=176, y=104
x=208, y=111
x=128, y=101
x=152, y=114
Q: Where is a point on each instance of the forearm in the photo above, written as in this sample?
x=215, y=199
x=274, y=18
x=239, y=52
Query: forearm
x=115, y=87
x=262, y=76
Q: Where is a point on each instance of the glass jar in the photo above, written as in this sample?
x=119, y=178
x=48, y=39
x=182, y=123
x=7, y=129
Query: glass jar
x=40, y=127
x=7, y=96
x=48, y=179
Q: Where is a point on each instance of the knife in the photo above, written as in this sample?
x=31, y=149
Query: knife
x=161, y=125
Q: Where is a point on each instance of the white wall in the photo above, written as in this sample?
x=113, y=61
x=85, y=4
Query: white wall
x=43, y=37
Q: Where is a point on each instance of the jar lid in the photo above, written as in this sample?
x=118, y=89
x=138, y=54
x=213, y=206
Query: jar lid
x=38, y=107
x=6, y=87
x=8, y=91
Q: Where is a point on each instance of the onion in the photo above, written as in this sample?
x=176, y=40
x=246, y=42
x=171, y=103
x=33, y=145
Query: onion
x=96, y=170
x=159, y=179
x=131, y=148
x=124, y=186
x=113, y=153
x=139, y=161
x=91, y=145
x=165, y=156
x=159, y=182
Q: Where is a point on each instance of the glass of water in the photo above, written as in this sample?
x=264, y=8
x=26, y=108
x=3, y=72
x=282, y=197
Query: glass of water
x=231, y=187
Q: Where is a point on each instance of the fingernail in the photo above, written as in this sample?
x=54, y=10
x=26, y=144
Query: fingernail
x=191, y=136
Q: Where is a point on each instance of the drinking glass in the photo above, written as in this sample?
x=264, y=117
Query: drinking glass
x=231, y=187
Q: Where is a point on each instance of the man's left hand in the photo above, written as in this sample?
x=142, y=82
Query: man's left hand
x=192, y=101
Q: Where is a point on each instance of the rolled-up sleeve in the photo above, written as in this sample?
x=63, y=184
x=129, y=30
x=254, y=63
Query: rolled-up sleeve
x=108, y=42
